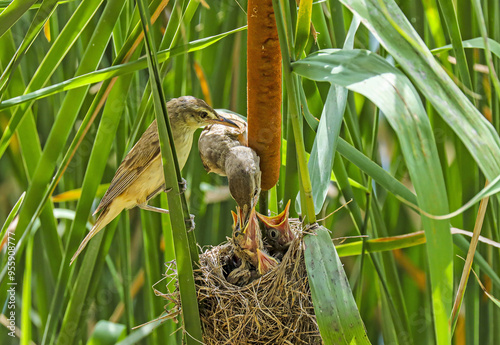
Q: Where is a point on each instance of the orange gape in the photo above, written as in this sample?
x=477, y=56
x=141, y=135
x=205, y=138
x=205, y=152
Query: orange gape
x=264, y=89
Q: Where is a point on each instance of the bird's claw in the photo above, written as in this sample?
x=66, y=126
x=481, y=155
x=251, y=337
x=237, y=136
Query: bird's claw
x=190, y=225
x=182, y=185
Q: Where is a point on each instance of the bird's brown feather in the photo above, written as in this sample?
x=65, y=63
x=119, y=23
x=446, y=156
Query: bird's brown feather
x=133, y=165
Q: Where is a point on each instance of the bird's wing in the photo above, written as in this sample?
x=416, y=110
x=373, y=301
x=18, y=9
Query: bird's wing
x=144, y=152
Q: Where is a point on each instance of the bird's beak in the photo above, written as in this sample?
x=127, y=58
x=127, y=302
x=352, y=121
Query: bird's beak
x=225, y=121
x=235, y=218
x=252, y=227
x=244, y=214
x=280, y=223
x=266, y=262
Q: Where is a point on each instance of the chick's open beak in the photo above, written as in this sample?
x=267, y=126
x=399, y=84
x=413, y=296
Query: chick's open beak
x=266, y=262
x=225, y=121
x=280, y=223
x=252, y=232
x=235, y=218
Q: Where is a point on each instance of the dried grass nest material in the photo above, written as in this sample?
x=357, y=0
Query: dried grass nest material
x=274, y=309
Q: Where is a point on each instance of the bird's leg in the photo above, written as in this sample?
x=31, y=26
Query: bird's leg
x=161, y=188
x=152, y=208
x=190, y=225
x=182, y=185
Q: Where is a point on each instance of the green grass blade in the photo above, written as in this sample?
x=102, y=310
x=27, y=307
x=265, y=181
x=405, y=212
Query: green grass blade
x=477, y=42
x=11, y=14
x=42, y=15
x=60, y=131
x=337, y=24
x=75, y=306
x=105, y=135
x=381, y=244
x=107, y=73
x=336, y=311
x=84, y=127
x=31, y=151
x=325, y=143
x=303, y=26
x=5, y=3
x=484, y=33
x=64, y=121
x=26, y=301
x=11, y=215
x=52, y=59
x=451, y=20
x=376, y=172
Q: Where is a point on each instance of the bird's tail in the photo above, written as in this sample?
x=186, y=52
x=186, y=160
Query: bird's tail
x=106, y=216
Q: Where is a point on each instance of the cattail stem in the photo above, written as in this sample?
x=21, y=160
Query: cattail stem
x=264, y=202
x=291, y=82
x=264, y=89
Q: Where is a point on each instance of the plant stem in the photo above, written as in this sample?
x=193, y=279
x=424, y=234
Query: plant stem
x=264, y=202
x=291, y=82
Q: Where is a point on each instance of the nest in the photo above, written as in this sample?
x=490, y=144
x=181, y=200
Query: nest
x=274, y=309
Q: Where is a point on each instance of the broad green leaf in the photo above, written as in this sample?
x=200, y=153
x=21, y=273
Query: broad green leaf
x=141, y=333
x=107, y=333
x=325, y=143
x=400, y=191
x=392, y=92
x=451, y=104
x=336, y=311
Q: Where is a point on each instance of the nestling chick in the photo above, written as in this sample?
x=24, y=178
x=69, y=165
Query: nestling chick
x=249, y=248
x=277, y=230
x=223, y=151
x=140, y=176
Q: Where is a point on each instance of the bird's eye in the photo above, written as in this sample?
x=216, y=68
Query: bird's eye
x=273, y=233
x=203, y=114
x=237, y=233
